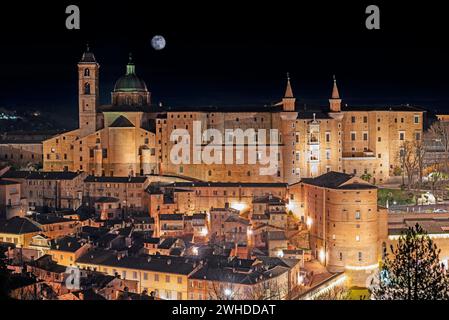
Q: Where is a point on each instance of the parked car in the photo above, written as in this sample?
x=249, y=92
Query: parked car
x=439, y=211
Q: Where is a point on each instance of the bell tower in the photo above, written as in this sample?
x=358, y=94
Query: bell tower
x=88, y=92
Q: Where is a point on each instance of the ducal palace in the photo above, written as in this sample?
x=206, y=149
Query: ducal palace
x=131, y=137
x=119, y=162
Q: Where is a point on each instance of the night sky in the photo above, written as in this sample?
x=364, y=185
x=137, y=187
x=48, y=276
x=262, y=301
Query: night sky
x=227, y=54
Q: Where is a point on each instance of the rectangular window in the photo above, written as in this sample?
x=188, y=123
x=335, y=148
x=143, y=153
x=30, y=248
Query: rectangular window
x=357, y=215
x=365, y=119
x=353, y=119
x=401, y=136
x=353, y=136
x=328, y=137
x=416, y=118
x=365, y=136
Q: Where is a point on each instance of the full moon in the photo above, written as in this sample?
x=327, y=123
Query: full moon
x=158, y=42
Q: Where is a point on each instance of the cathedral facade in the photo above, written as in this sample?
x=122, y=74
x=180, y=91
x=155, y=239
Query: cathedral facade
x=132, y=137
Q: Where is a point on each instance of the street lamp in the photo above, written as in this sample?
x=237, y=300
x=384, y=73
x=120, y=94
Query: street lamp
x=227, y=292
x=238, y=206
x=204, y=232
x=309, y=222
x=322, y=255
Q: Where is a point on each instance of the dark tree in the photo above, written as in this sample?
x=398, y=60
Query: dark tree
x=5, y=276
x=414, y=271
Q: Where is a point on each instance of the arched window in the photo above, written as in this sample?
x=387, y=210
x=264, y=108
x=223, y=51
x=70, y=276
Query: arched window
x=86, y=72
x=86, y=88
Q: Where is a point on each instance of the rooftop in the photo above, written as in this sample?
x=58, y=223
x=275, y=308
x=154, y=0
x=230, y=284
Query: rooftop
x=122, y=122
x=67, y=244
x=107, y=200
x=7, y=182
x=337, y=180
x=171, y=217
x=156, y=263
x=277, y=235
x=41, y=175
x=269, y=200
x=91, y=178
x=225, y=184
x=18, y=225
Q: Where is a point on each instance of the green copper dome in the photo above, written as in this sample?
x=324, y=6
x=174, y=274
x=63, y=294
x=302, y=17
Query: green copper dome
x=130, y=82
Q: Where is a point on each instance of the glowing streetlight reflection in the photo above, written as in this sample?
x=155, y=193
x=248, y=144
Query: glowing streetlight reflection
x=309, y=222
x=238, y=206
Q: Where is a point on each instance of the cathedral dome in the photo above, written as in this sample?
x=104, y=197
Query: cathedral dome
x=130, y=82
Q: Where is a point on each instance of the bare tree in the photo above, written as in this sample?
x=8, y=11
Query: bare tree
x=225, y=288
x=436, y=180
x=408, y=159
x=336, y=293
x=270, y=289
x=440, y=133
x=229, y=287
x=420, y=154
